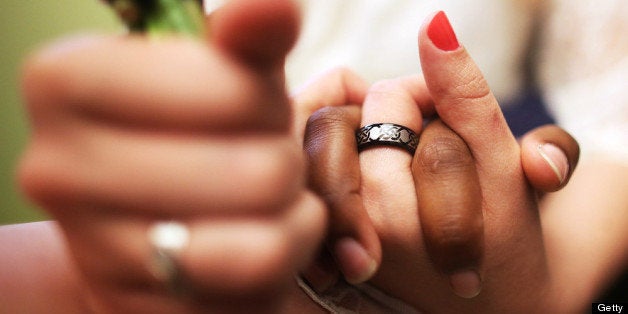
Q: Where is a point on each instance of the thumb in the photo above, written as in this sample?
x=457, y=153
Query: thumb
x=257, y=36
x=462, y=97
x=259, y=33
x=549, y=156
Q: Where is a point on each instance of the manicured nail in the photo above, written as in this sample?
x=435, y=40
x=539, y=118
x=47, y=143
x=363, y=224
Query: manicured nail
x=441, y=33
x=556, y=159
x=355, y=262
x=466, y=284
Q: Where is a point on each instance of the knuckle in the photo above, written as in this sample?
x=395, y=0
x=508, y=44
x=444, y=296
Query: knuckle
x=43, y=178
x=29, y=177
x=341, y=71
x=473, y=88
x=444, y=155
x=453, y=231
x=272, y=266
x=385, y=87
x=324, y=121
x=40, y=83
x=275, y=176
x=455, y=241
x=274, y=260
x=50, y=77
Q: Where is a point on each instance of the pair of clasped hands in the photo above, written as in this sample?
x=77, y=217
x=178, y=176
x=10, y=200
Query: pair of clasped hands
x=128, y=131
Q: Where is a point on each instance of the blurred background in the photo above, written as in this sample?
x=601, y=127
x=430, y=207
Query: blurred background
x=26, y=25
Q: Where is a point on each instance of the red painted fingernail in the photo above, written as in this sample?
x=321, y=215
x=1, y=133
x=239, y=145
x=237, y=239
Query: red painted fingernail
x=441, y=33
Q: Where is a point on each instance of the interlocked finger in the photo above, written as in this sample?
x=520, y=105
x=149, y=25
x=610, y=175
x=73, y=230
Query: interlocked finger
x=450, y=206
x=209, y=259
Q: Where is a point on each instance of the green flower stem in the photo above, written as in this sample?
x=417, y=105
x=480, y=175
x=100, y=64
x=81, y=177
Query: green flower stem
x=161, y=17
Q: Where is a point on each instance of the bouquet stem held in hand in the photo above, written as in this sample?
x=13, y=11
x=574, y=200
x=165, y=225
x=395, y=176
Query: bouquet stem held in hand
x=159, y=17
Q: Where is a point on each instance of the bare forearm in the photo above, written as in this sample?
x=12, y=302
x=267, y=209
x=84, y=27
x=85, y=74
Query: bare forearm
x=36, y=273
x=586, y=231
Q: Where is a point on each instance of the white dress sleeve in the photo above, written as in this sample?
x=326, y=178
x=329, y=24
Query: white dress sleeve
x=583, y=72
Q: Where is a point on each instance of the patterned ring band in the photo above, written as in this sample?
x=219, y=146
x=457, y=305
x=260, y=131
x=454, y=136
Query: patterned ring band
x=388, y=134
x=167, y=240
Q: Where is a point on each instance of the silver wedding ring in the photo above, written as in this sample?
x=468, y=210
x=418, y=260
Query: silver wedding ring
x=168, y=240
x=387, y=134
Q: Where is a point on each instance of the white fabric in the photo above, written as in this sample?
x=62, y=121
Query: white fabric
x=378, y=38
x=584, y=72
x=344, y=298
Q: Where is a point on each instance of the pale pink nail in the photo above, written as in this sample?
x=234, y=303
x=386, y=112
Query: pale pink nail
x=466, y=284
x=355, y=262
x=556, y=159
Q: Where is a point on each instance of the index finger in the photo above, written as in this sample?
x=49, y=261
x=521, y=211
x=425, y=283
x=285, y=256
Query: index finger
x=173, y=83
x=335, y=175
x=450, y=206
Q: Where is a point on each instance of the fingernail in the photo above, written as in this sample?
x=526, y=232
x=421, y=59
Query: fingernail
x=466, y=284
x=355, y=262
x=210, y=6
x=556, y=159
x=441, y=33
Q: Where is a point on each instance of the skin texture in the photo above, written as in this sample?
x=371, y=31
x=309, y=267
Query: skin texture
x=452, y=225
x=331, y=130
x=390, y=197
x=94, y=153
x=117, y=145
